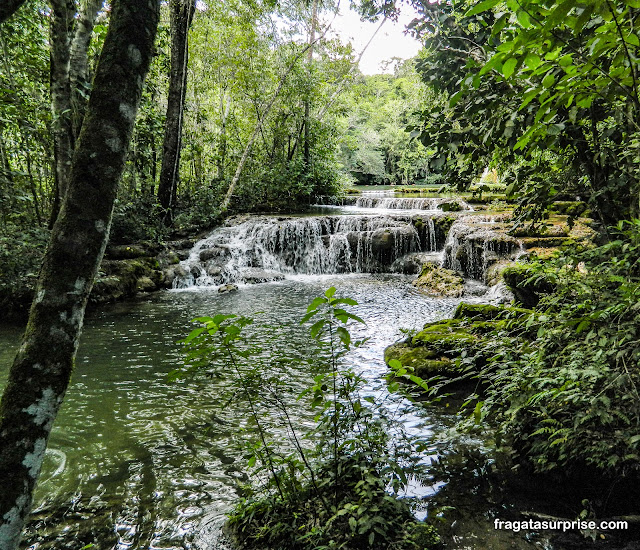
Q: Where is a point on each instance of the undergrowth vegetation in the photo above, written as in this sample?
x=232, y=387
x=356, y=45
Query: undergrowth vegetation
x=564, y=392
x=335, y=487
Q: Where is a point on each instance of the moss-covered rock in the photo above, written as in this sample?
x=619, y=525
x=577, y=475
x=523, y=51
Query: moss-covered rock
x=424, y=362
x=570, y=208
x=438, y=348
x=439, y=281
x=443, y=336
x=487, y=312
x=119, y=279
x=526, y=289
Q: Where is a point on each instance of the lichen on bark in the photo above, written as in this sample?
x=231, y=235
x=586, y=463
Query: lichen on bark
x=41, y=371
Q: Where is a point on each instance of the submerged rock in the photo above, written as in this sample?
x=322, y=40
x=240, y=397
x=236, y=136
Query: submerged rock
x=255, y=275
x=227, y=288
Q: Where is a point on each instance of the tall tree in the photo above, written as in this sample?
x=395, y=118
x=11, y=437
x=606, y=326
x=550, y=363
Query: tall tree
x=40, y=373
x=61, y=25
x=79, y=73
x=70, y=82
x=181, y=16
x=307, y=103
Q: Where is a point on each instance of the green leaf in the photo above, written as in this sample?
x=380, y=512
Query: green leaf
x=217, y=319
x=548, y=80
x=559, y=13
x=532, y=60
x=523, y=18
x=330, y=292
x=344, y=336
x=193, y=334
x=317, y=327
x=353, y=523
x=488, y=66
x=316, y=303
x=482, y=6
x=509, y=66
x=633, y=39
x=477, y=412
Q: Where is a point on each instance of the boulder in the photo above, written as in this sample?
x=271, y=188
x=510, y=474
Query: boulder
x=439, y=281
x=255, y=275
x=227, y=288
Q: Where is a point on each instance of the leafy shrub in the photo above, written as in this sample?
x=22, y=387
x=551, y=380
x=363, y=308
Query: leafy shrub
x=336, y=493
x=21, y=252
x=136, y=219
x=567, y=398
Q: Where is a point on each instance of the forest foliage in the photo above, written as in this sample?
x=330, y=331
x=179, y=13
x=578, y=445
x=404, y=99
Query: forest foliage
x=543, y=91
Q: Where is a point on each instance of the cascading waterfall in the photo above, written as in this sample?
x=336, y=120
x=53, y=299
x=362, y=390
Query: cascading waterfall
x=413, y=203
x=383, y=202
x=266, y=248
x=473, y=245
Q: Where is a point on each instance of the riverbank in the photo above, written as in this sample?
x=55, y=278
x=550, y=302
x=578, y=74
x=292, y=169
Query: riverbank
x=552, y=381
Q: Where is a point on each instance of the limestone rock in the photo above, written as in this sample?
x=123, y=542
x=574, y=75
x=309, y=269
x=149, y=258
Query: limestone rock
x=439, y=281
x=255, y=275
x=227, y=288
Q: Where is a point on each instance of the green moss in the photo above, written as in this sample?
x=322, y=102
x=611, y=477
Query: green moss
x=473, y=311
x=409, y=356
x=452, y=206
x=443, y=336
x=434, y=367
x=443, y=223
x=570, y=208
x=439, y=281
x=488, y=311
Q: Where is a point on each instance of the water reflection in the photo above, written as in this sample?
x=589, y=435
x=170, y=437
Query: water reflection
x=143, y=463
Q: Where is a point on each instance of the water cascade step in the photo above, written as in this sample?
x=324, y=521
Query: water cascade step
x=256, y=249
x=381, y=202
x=261, y=249
x=475, y=243
x=412, y=203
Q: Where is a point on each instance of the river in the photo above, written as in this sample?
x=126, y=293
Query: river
x=138, y=462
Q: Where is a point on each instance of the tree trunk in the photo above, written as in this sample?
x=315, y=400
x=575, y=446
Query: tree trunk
x=79, y=77
x=224, y=206
x=62, y=16
x=307, y=102
x=181, y=16
x=41, y=370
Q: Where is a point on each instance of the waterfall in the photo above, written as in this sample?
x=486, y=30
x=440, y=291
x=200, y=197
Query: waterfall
x=381, y=202
x=474, y=243
x=267, y=248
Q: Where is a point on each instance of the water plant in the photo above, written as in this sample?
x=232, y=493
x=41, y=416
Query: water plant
x=336, y=486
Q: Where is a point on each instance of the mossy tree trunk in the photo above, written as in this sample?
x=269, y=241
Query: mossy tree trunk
x=41, y=371
x=181, y=17
x=70, y=83
x=61, y=24
x=79, y=72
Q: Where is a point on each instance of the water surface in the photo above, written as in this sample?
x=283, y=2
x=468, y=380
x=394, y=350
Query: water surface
x=151, y=464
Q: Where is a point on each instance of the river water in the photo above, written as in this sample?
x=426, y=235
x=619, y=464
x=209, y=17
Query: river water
x=143, y=463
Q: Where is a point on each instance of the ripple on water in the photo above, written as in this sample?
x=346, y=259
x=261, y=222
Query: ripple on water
x=164, y=458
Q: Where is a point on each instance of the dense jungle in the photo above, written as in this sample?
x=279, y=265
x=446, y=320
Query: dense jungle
x=253, y=298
